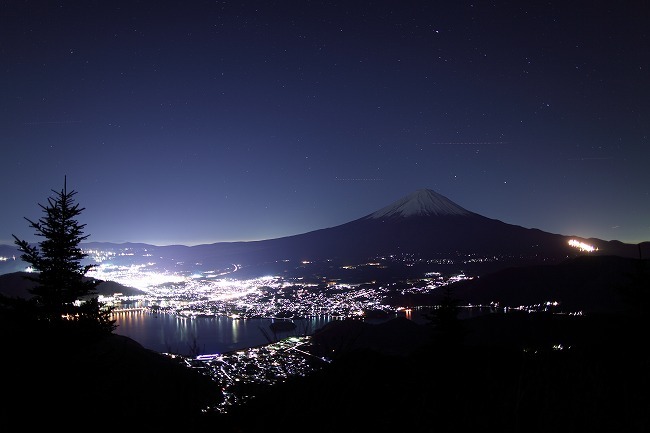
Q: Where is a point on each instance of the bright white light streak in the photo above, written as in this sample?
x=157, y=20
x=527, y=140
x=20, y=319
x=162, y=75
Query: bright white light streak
x=581, y=245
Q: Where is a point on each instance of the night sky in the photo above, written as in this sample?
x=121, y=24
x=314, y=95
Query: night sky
x=188, y=122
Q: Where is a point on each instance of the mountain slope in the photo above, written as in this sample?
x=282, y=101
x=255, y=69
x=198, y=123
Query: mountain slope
x=428, y=226
x=425, y=227
x=420, y=203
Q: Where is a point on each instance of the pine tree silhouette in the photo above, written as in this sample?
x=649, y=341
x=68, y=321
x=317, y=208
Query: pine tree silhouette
x=63, y=296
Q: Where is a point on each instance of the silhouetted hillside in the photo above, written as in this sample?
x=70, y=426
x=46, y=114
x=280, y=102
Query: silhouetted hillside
x=524, y=373
x=16, y=285
x=514, y=371
x=55, y=380
x=398, y=336
x=591, y=284
x=517, y=372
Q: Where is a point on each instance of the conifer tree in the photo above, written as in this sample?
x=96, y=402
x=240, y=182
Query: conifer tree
x=62, y=294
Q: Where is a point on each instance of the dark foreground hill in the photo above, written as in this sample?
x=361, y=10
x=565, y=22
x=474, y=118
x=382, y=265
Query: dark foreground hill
x=514, y=372
x=590, y=284
x=58, y=380
x=511, y=372
x=587, y=284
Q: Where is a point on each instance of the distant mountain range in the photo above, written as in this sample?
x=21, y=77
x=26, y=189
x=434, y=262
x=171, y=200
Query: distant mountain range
x=422, y=227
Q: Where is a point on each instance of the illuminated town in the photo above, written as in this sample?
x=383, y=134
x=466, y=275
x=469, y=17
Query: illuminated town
x=215, y=293
x=211, y=293
x=173, y=288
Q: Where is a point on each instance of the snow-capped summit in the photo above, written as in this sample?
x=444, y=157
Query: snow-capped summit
x=424, y=202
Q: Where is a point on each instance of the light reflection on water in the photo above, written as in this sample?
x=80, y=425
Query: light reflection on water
x=204, y=335
x=219, y=334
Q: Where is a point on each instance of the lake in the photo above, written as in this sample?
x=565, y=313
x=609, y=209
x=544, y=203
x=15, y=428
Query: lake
x=205, y=335
x=202, y=335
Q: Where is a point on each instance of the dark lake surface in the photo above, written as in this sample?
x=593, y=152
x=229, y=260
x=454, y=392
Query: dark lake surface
x=205, y=335
x=170, y=333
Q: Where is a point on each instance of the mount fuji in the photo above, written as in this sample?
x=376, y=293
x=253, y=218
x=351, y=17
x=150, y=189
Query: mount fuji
x=423, y=227
x=424, y=202
x=429, y=226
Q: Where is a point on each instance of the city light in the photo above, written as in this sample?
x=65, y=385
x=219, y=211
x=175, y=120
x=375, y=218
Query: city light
x=582, y=246
x=200, y=291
